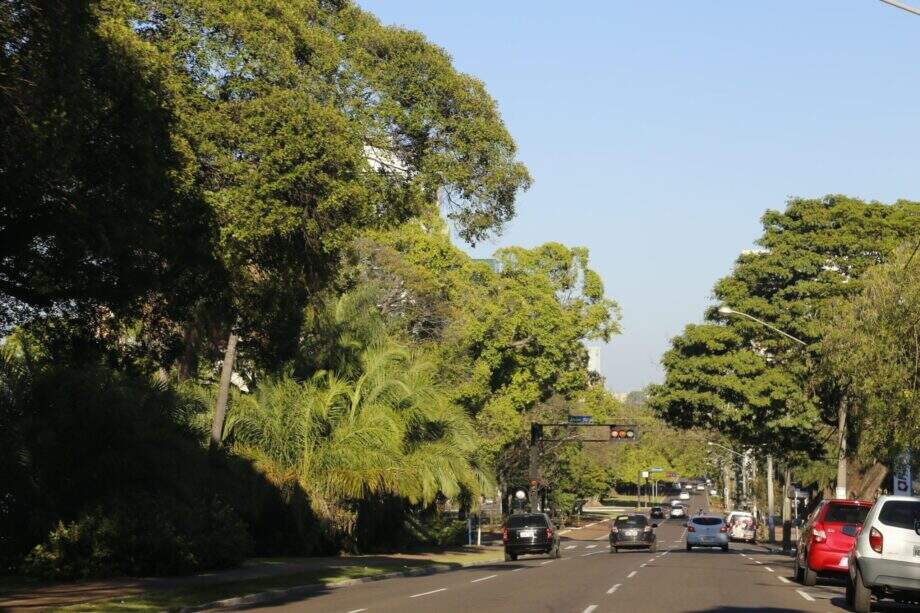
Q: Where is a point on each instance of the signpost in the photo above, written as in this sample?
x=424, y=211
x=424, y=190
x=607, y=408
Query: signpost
x=901, y=482
x=580, y=419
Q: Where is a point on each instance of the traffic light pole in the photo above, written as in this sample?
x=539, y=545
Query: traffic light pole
x=534, y=475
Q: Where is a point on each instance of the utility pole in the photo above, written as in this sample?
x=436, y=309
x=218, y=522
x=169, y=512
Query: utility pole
x=787, y=509
x=841, y=490
x=726, y=475
x=771, y=530
x=534, y=475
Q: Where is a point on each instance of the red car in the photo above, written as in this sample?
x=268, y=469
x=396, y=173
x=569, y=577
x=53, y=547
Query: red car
x=827, y=537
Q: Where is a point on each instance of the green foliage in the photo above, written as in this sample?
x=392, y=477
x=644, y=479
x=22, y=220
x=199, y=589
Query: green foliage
x=142, y=535
x=869, y=347
x=744, y=380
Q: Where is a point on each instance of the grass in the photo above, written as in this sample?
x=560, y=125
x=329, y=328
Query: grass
x=346, y=568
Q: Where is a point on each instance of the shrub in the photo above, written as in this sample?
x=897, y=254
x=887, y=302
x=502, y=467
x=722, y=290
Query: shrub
x=142, y=535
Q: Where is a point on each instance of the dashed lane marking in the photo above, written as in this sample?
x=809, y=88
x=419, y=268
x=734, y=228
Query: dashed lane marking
x=768, y=569
x=517, y=569
x=589, y=608
x=757, y=562
x=805, y=595
x=632, y=574
x=592, y=553
x=652, y=560
x=483, y=579
x=784, y=580
x=571, y=546
x=443, y=589
x=614, y=588
x=357, y=610
x=590, y=546
x=642, y=566
x=546, y=562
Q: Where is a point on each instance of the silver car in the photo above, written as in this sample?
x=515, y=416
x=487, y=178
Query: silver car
x=885, y=560
x=707, y=531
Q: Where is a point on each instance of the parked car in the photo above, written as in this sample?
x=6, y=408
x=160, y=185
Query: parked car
x=677, y=509
x=632, y=531
x=885, y=559
x=656, y=513
x=707, y=531
x=685, y=495
x=823, y=542
x=530, y=533
x=700, y=487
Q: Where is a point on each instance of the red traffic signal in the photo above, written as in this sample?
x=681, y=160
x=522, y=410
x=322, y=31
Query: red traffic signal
x=623, y=433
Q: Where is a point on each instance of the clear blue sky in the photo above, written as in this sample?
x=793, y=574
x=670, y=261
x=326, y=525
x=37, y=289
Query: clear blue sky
x=658, y=132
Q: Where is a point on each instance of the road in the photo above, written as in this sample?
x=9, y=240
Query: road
x=591, y=579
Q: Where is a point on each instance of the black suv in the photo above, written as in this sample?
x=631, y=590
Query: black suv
x=656, y=513
x=530, y=533
x=631, y=531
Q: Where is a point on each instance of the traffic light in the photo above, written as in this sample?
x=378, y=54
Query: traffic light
x=536, y=433
x=623, y=433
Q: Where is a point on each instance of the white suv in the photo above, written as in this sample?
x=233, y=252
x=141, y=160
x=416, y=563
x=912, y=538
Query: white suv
x=885, y=560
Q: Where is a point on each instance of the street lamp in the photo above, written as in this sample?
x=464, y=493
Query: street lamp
x=726, y=310
x=902, y=6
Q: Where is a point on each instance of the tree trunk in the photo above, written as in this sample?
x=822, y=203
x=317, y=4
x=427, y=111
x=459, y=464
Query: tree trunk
x=841, y=490
x=223, y=393
x=188, y=361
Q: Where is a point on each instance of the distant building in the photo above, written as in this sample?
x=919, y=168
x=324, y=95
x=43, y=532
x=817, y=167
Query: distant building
x=594, y=360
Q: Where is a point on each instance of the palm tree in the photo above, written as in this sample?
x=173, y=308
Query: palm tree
x=389, y=430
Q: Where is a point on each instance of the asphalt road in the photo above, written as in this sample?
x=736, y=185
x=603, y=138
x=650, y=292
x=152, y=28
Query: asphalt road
x=591, y=579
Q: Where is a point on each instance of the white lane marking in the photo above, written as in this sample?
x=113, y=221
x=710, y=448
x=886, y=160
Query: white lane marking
x=517, y=569
x=589, y=525
x=632, y=574
x=805, y=595
x=614, y=588
x=571, y=546
x=357, y=610
x=784, y=580
x=652, y=560
x=589, y=608
x=547, y=562
x=676, y=540
x=483, y=579
x=768, y=569
x=593, y=553
x=443, y=589
x=642, y=566
x=590, y=546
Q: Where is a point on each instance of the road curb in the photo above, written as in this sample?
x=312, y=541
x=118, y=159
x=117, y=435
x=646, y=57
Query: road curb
x=268, y=596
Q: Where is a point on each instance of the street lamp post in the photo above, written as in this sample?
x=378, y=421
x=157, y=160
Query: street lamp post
x=902, y=6
x=841, y=490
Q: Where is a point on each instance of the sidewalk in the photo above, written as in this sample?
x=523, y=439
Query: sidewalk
x=259, y=574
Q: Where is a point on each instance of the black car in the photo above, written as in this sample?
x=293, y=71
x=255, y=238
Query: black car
x=530, y=533
x=632, y=531
x=656, y=513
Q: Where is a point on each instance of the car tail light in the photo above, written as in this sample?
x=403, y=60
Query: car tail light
x=549, y=533
x=818, y=533
x=691, y=529
x=648, y=529
x=723, y=529
x=614, y=530
x=504, y=535
x=876, y=541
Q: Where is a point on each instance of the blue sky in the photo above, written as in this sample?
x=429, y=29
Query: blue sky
x=659, y=132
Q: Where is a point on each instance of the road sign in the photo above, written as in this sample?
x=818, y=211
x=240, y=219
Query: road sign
x=656, y=470
x=580, y=419
x=901, y=481
x=645, y=474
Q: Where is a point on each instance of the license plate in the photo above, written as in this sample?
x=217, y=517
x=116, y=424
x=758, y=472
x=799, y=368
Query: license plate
x=706, y=539
x=846, y=561
x=630, y=533
x=917, y=550
x=526, y=534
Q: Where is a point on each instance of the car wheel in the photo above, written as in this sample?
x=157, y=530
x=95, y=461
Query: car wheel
x=613, y=549
x=556, y=552
x=508, y=557
x=724, y=547
x=809, y=577
x=689, y=547
x=797, y=570
x=848, y=594
x=862, y=597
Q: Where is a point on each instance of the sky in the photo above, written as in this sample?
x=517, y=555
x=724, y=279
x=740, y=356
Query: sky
x=659, y=132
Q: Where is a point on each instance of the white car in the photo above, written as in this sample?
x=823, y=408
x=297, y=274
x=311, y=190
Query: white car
x=885, y=560
x=701, y=488
x=685, y=495
x=707, y=531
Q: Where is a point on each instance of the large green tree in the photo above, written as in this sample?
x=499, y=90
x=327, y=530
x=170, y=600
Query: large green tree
x=743, y=379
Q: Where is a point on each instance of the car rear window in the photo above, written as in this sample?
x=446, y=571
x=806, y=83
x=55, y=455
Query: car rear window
x=631, y=520
x=846, y=513
x=706, y=521
x=520, y=521
x=900, y=513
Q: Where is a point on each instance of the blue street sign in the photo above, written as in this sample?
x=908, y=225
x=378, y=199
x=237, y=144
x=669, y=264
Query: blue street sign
x=580, y=419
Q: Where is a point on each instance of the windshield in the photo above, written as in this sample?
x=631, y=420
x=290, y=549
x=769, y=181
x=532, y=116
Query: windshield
x=631, y=520
x=521, y=521
x=846, y=513
x=706, y=521
x=900, y=514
